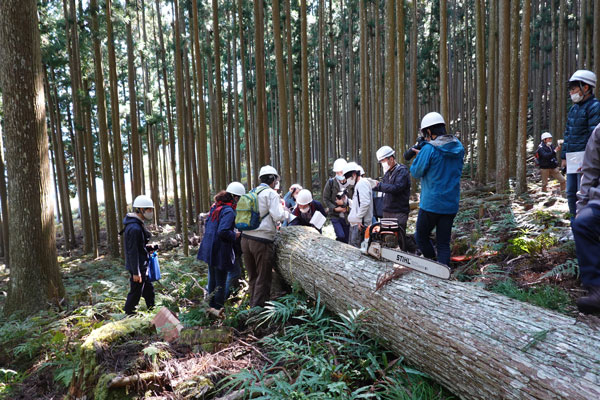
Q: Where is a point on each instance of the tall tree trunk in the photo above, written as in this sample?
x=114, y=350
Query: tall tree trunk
x=61, y=169
x=562, y=73
x=203, y=152
x=75, y=69
x=264, y=153
x=390, y=73
x=290, y=83
x=281, y=87
x=322, y=109
x=4, y=205
x=515, y=87
x=596, y=38
x=179, y=91
x=523, y=101
x=170, y=123
x=444, y=98
x=91, y=168
x=400, y=143
x=503, y=97
x=221, y=152
x=306, y=164
x=492, y=95
x=414, y=125
x=116, y=119
x=481, y=94
x=109, y=197
x=136, y=172
x=34, y=273
x=364, y=106
x=249, y=177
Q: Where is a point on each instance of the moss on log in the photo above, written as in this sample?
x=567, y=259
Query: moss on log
x=476, y=343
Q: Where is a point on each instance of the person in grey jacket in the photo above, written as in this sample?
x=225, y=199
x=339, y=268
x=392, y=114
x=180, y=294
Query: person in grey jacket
x=586, y=226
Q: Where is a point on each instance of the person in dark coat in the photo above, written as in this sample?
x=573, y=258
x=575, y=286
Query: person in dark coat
x=136, y=237
x=547, y=161
x=306, y=209
x=218, y=244
x=395, y=185
x=582, y=119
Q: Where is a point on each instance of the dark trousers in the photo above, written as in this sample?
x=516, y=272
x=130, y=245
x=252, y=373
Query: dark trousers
x=442, y=223
x=137, y=290
x=341, y=228
x=586, y=231
x=217, y=279
x=401, y=217
x=572, y=188
x=258, y=258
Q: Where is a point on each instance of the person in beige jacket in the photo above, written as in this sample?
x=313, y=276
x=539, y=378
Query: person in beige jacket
x=257, y=244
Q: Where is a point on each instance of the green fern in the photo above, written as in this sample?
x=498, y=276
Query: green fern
x=568, y=268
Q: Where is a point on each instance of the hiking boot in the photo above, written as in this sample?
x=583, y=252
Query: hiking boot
x=591, y=303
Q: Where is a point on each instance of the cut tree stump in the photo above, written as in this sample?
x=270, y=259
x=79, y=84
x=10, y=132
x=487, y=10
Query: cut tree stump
x=476, y=343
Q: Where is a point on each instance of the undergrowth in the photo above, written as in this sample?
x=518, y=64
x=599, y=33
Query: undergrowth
x=546, y=296
x=318, y=355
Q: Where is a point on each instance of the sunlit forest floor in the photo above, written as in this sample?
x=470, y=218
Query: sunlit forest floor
x=519, y=246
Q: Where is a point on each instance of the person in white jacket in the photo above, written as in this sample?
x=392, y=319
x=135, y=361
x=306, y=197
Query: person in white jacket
x=257, y=244
x=361, y=208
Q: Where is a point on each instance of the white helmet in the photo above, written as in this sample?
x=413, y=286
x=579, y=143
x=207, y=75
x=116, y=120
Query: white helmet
x=585, y=76
x=338, y=165
x=296, y=186
x=143, y=201
x=267, y=170
x=236, y=188
x=432, y=118
x=350, y=167
x=546, y=135
x=384, y=152
x=304, y=197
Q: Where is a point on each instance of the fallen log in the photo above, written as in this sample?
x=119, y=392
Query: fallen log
x=476, y=343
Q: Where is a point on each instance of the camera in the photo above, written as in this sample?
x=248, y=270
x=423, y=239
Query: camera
x=410, y=153
x=340, y=195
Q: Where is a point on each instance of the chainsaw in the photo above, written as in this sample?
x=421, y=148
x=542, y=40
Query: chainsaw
x=384, y=240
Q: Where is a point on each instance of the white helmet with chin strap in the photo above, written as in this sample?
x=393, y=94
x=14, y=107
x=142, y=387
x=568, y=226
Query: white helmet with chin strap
x=304, y=197
x=384, y=152
x=338, y=165
x=546, y=135
x=268, y=170
x=585, y=76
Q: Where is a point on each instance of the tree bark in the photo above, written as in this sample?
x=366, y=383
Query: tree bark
x=322, y=108
x=481, y=94
x=400, y=143
x=503, y=97
x=290, y=94
x=306, y=158
x=596, y=40
x=364, y=106
x=390, y=74
x=444, y=97
x=492, y=95
x=34, y=274
x=107, y=176
x=476, y=343
x=264, y=153
x=249, y=177
x=521, y=147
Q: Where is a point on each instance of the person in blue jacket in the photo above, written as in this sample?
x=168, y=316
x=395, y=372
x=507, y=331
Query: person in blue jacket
x=439, y=166
x=583, y=117
x=136, y=237
x=218, y=244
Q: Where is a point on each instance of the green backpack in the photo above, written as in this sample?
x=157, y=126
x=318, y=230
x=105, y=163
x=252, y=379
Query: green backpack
x=247, y=214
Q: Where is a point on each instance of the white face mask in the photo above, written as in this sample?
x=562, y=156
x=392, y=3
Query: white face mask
x=304, y=210
x=351, y=181
x=276, y=186
x=148, y=214
x=576, y=97
x=386, y=167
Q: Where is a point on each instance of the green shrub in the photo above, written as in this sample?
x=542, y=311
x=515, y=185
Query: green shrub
x=546, y=296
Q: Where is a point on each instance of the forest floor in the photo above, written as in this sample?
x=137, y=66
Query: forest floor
x=519, y=246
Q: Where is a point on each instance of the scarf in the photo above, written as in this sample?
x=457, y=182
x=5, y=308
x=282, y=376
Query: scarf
x=217, y=207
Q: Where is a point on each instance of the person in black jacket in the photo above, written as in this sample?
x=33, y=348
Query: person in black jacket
x=136, y=237
x=548, y=162
x=395, y=185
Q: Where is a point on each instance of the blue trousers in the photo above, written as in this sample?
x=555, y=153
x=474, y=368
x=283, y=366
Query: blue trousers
x=217, y=279
x=572, y=188
x=586, y=230
x=442, y=223
x=341, y=228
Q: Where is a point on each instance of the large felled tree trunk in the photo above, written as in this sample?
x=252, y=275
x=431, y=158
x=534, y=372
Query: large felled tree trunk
x=476, y=343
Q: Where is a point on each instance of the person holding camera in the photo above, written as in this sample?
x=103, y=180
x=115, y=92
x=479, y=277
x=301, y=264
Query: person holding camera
x=336, y=193
x=439, y=166
x=545, y=157
x=395, y=185
x=414, y=150
x=136, y=237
